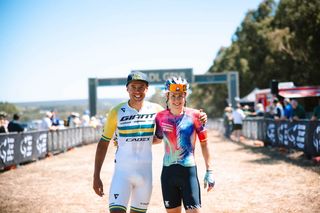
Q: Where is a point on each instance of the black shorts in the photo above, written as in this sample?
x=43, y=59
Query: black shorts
x=180, y=183
x=237, y=126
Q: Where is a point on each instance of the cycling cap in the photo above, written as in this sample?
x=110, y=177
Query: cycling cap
x=137, y=76
x=175, y=84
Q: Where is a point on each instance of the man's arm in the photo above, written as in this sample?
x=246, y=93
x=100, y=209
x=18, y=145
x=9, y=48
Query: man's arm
x=158, y=133
x=101, y=151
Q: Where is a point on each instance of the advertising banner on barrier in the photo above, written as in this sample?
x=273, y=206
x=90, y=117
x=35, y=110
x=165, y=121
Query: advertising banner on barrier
x=271, y=133
x=297, y=134
x=301, y=135
x=313, y=148
x=287, y=134
x=41, y=141
x=19, y=148
x=292, y=134
x=7, y=150
x=24, y=151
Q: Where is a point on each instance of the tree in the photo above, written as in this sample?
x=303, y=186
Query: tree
x=8, y=108
x=273, y=42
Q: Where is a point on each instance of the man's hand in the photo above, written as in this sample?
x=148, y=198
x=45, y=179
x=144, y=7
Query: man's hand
x=98, y=186
x=156, y=140
x=209, y=180
x=203, y=117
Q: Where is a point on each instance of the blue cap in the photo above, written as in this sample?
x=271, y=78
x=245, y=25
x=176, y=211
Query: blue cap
x=137, y=76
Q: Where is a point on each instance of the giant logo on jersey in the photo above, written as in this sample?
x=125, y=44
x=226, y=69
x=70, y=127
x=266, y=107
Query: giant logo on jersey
x=138, y=116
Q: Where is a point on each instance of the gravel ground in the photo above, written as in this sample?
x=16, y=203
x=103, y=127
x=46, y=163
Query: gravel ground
x=248, y=179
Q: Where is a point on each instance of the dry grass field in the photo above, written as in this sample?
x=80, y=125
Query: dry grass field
x=248, y=179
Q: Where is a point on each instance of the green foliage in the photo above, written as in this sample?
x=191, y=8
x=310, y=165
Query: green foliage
x=273, y=42
x=159, y=98
x=8, y=108
x=210, y=98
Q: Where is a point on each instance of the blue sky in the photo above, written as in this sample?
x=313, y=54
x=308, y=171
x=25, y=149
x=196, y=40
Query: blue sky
x=49, y=48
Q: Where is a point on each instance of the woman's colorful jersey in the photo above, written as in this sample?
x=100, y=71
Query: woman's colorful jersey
x=134, y=130
x=179, y=135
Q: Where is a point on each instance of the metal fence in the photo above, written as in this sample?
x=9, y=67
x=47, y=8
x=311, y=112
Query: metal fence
x=18, y=148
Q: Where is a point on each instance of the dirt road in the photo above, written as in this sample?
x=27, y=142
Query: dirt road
x=248, y=179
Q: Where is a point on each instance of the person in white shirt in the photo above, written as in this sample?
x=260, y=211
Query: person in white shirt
x=46, y=123
x=238, y=116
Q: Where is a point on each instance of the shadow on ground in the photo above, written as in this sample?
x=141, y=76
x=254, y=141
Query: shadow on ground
x=274, y=155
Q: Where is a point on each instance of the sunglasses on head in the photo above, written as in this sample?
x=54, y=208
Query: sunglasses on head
x=178, y=88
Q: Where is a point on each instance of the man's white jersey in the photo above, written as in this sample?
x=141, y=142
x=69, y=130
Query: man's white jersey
x=134, y=130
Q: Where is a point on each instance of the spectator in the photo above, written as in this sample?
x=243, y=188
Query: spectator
x=269, y=111
x=74, y=120
x=246, y=110
x=54, y=119
x=3, y=122
x=14, y=125
x=47, y=123
x=316, y=112
x=228, y=121
x=259, y=110
x=298, y=110
x=238, y=116
x=277, y=109
x=85, y=119
x=288, y=111
x=94, y=122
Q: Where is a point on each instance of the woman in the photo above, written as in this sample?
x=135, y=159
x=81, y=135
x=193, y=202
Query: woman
x=178, y=126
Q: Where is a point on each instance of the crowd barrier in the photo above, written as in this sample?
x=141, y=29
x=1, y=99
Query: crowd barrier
x=216, y=124
x=303, y=135
x=19, y=148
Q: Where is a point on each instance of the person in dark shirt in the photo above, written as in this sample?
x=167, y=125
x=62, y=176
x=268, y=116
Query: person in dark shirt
x=14, y=125
x=316, y=112
x=298, y=110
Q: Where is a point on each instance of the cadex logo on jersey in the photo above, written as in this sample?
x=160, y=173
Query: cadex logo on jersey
x=138, y=116
x=137, y=139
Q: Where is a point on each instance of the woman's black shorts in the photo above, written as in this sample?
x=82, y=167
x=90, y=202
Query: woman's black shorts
x=180, y=183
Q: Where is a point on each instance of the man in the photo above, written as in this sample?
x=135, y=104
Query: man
x=46, y=123
x=14, y=125
x=287, y=109
x=238, y=116
x=316, y=112
x=298, y=111
x=133, y=124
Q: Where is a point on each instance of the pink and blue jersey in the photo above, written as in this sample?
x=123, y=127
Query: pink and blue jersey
x=179, y=136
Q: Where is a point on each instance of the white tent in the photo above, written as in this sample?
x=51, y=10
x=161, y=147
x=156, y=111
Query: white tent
x=251, y=97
